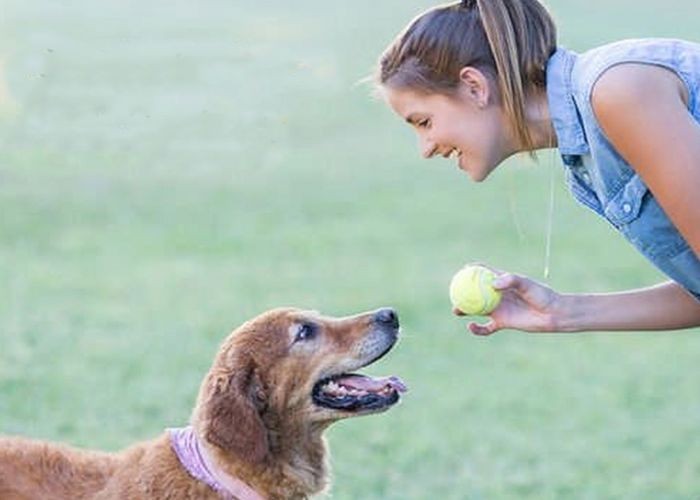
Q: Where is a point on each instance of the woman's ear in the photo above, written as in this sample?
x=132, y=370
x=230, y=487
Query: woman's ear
x=476, y=86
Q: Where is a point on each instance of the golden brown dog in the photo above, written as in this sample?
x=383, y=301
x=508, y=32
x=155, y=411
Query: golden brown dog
x=276, y=384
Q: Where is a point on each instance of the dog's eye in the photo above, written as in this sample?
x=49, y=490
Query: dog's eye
x=305, y=332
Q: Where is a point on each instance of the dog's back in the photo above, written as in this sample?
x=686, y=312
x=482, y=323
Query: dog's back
x=37, y=470
x=32, y=470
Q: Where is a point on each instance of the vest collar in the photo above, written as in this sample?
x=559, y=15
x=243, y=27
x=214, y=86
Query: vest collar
x=571, y=138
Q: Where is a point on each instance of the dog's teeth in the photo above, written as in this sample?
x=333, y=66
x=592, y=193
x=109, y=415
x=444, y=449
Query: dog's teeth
x=331, y=388
x=337, y=390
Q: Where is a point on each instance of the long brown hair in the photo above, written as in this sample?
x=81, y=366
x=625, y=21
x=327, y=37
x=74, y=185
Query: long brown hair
x=509, y=40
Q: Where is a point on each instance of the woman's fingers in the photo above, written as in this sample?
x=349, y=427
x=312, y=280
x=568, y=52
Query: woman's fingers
x=457, y=312
x=526, y=305
x=505, y=280
x=532, y=292
x=483, y=329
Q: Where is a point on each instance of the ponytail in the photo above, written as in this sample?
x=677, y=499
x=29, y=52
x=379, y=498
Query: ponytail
x=509, y=40
x=521, y=36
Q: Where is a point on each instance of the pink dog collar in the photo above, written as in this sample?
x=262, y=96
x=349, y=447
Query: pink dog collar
x=198, y=464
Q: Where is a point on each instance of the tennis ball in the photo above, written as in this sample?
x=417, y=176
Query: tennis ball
x=472, y=292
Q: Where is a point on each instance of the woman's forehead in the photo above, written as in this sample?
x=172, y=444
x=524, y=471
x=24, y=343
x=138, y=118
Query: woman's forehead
x=408, y=103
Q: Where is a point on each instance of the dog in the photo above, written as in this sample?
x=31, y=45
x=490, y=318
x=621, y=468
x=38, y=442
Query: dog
x=256, y=432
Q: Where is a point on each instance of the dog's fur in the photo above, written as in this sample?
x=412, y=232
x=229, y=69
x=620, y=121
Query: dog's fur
x=254, y=414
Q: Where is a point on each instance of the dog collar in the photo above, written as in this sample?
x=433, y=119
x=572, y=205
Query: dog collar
x=199, y=465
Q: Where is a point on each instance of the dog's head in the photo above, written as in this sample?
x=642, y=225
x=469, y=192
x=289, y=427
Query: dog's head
x=288, y=371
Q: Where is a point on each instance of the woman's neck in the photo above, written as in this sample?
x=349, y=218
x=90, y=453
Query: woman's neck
x=539, y=122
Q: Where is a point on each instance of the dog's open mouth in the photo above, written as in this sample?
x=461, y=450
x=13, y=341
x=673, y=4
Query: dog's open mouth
x=355, y=392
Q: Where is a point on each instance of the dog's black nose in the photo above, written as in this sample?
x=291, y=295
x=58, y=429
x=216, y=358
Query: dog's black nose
x=387, y=316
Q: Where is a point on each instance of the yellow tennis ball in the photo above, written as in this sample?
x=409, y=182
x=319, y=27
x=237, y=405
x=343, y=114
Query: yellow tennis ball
x=472, y=292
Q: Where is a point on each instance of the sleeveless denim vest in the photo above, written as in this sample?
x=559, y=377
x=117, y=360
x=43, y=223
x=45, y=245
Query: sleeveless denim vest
x=597, y=175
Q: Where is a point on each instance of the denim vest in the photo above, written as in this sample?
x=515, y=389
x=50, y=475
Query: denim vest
x=597, y=175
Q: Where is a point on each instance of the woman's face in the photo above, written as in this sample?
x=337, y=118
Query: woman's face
x=465, y=126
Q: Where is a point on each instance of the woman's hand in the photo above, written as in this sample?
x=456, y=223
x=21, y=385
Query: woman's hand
x=525, y=305
x=533, y=307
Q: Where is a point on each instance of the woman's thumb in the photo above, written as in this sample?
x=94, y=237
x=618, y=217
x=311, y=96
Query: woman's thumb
x=483, y=329
x=503, y=281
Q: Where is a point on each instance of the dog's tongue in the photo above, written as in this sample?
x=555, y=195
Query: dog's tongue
x=369, y=384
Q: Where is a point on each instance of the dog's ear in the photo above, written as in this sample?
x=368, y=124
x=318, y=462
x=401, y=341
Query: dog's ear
x=232, y=411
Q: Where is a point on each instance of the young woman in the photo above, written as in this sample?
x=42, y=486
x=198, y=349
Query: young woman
x=480, y=80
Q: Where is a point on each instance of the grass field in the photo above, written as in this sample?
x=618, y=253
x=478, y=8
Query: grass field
x=170, y=169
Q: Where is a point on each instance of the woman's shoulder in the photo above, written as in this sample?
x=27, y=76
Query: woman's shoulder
x=680, y=56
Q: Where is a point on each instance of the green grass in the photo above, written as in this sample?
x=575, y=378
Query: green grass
x=168, y=171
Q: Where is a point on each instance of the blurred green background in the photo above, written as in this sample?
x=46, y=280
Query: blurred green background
x=170, y=169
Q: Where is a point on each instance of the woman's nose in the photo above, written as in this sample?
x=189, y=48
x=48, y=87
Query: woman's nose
x=427, y=148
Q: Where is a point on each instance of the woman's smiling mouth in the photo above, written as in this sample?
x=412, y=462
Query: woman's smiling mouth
x=457, y=154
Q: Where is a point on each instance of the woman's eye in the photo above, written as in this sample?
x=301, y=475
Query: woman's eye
x=423, y=123
x=305, y=332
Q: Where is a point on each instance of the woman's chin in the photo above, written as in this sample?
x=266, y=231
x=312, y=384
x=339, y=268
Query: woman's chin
x=475, y=174
x=471, y=169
